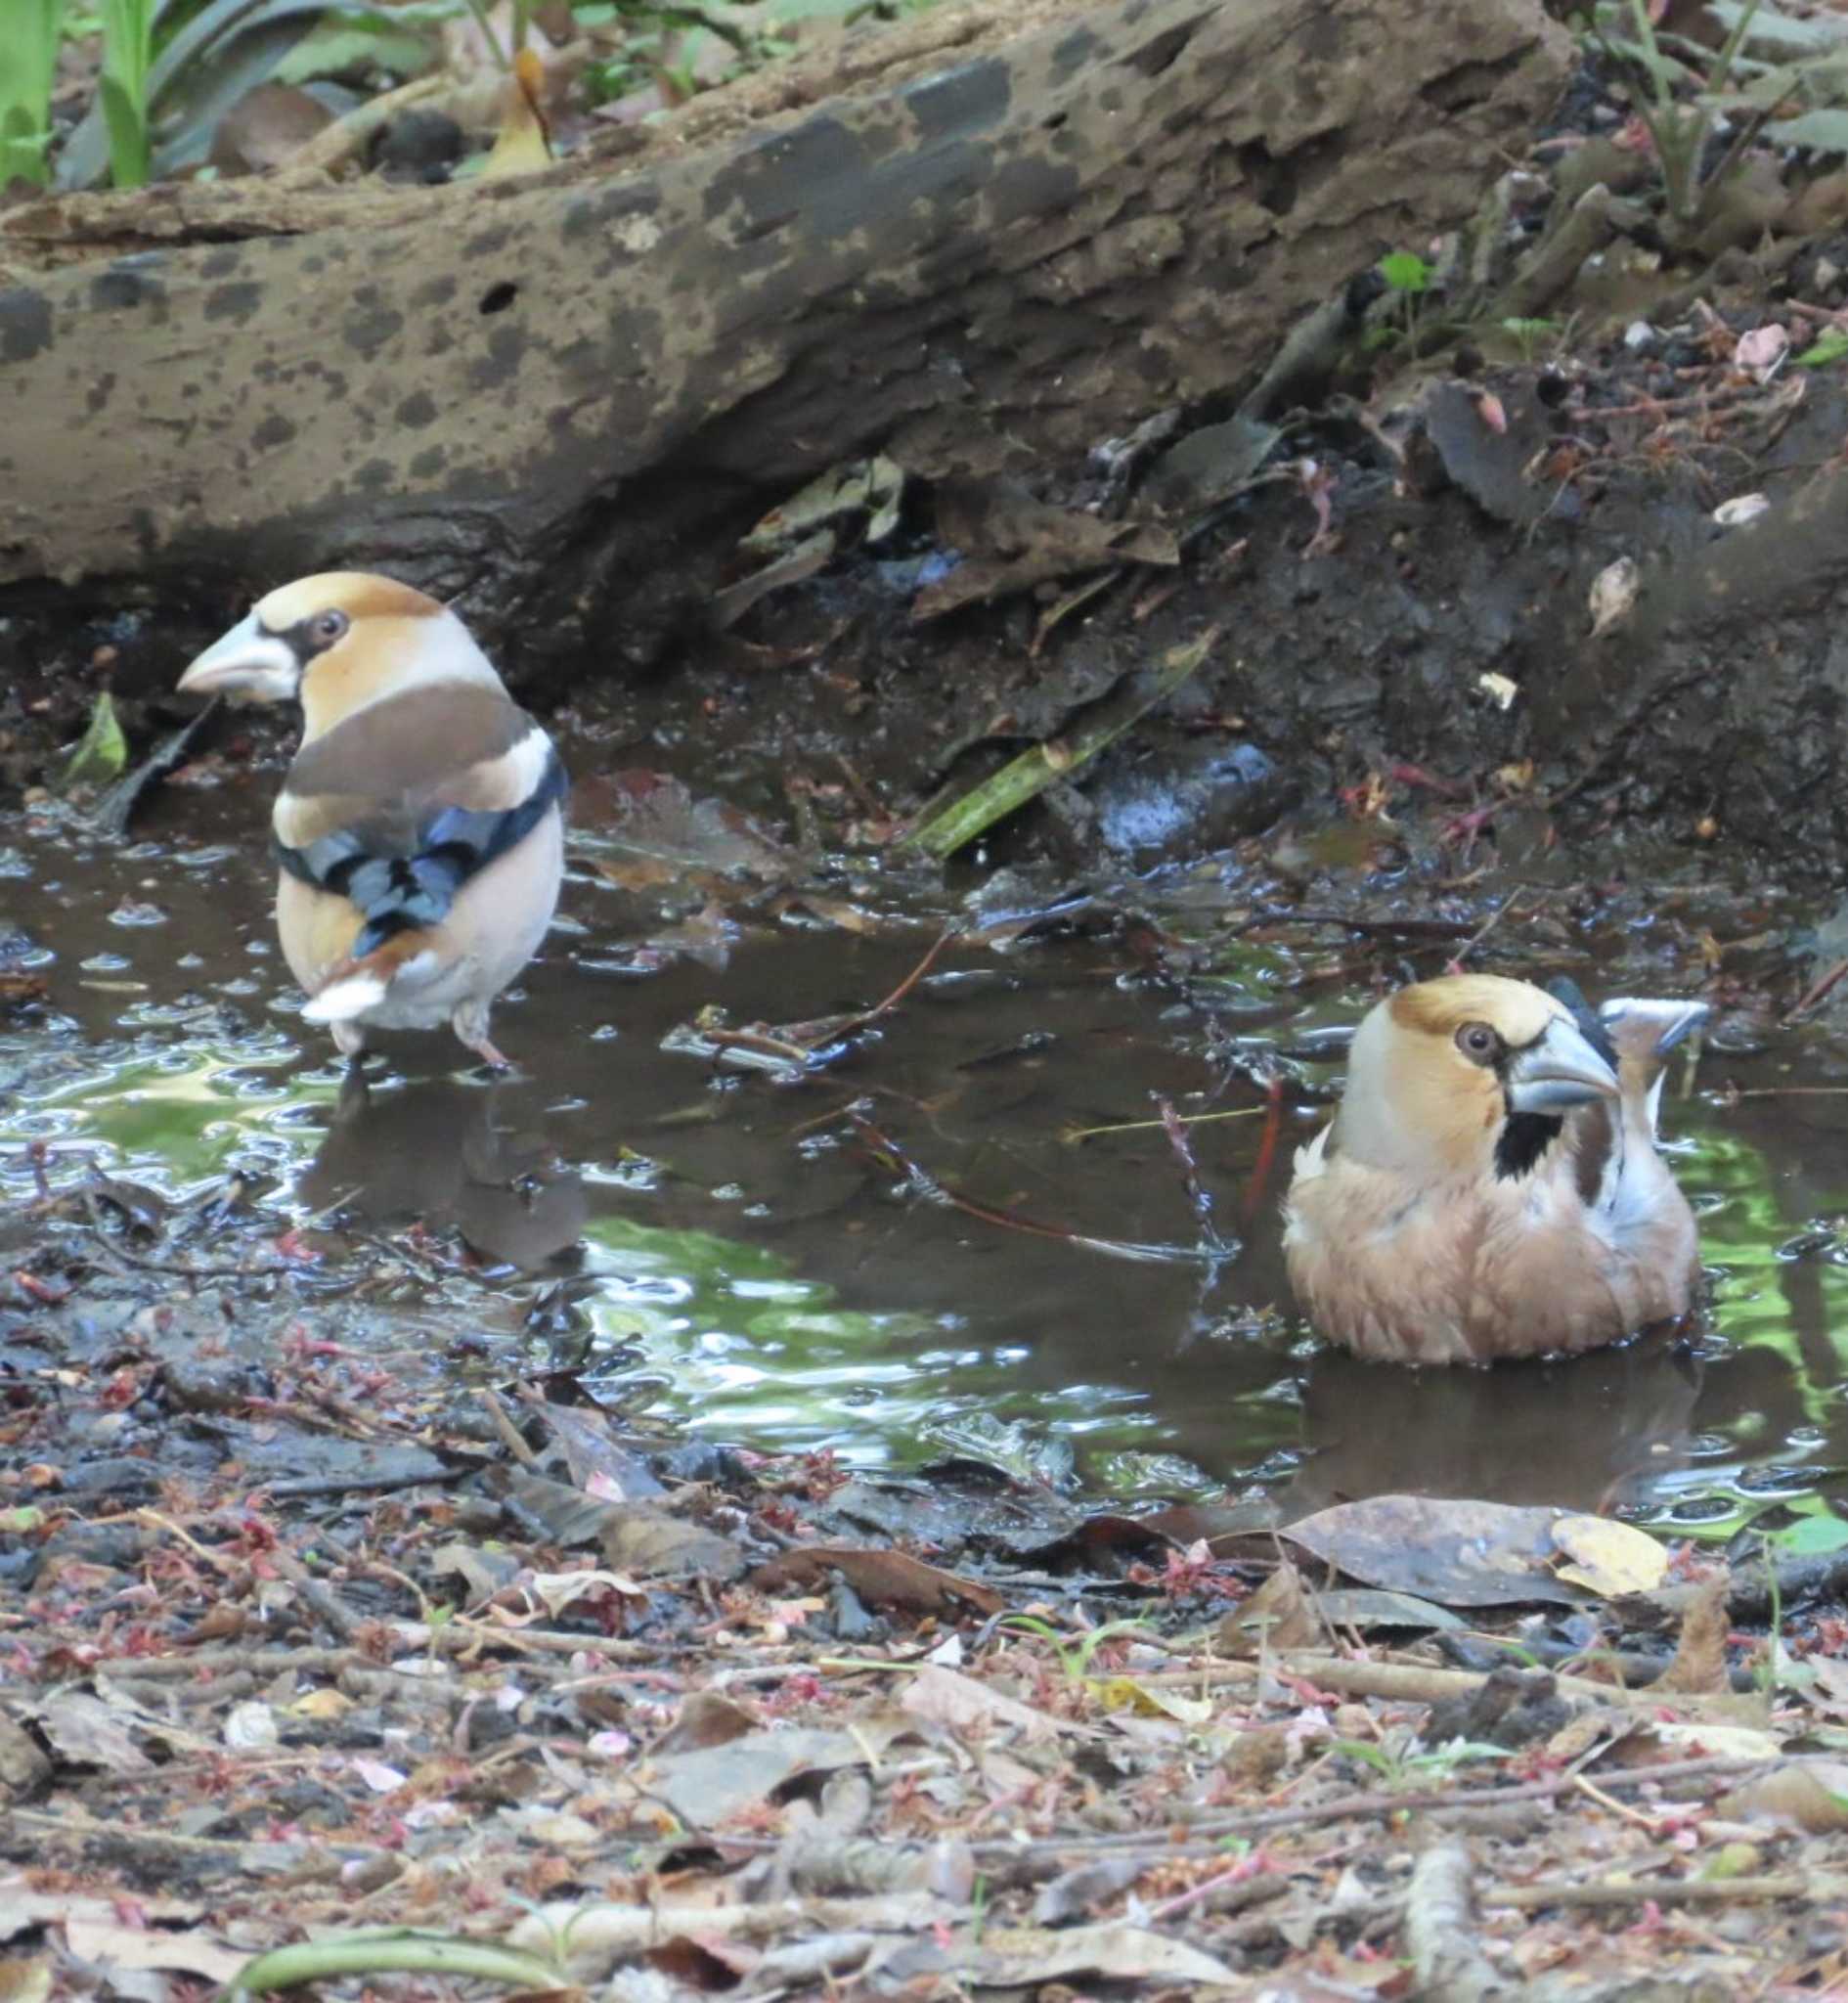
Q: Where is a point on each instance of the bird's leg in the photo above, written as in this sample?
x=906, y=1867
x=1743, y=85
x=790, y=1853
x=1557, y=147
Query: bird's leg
x=470, y=1024
x=349, y=1038
x=356, y=1094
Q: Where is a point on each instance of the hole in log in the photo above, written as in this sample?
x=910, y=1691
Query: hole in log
x=497, y=298
x=1155, y=56
x=1273, y=181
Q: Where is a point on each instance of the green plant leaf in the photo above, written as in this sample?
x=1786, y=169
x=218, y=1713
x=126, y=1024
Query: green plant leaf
x=1819, y=131
x=1405, y=271
x=1813, y=1536
x=206, y=65
x=1026, y=776
x=104, y=752
x=1828, y=346
x=406, y=1949
x=122, y=114
x=1772, y=28
x=29, y=62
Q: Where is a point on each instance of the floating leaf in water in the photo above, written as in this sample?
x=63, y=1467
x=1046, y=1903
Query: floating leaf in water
x=659, y=833
x=104, y=753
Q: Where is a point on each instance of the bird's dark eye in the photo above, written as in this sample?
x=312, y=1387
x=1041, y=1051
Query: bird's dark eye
x=1478, y=1042
x=324, y=628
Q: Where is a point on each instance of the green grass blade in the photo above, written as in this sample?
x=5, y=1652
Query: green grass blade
x=29, y=62
x=401, y=1949
x=1033, y=772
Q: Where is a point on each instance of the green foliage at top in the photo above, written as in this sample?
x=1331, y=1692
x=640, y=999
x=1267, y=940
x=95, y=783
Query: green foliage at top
x=28, y=61
x=1777, y=76
x=127, y=53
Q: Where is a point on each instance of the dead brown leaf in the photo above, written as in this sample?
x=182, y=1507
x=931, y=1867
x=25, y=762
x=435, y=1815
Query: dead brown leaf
x=1010, y=541
x=111, y=1945
x=882, y=1578
x=1022, y=1957
x=1280, y=1614
x=709, y=1784
x=1457, y=1553
x=88, y=1732
x=653, y=832
x=946, y=1697
x=1811, y=1798
x=653, y=1544
x=1700, y=1666
x=705, y=1718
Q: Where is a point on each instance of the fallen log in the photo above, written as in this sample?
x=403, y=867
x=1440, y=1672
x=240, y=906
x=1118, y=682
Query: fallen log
x=984, y=240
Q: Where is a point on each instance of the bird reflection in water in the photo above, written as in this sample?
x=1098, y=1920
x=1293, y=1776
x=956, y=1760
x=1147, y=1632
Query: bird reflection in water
x=448, y=1155
x=1586, y=1433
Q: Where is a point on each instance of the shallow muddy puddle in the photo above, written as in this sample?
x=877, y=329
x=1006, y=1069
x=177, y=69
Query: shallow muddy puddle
x=722, y=1249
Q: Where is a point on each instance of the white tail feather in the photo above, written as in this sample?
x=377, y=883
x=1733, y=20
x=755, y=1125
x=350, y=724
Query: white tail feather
x=344, y=999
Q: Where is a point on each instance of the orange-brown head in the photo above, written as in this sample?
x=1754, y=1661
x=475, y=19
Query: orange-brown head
x=338, y=642
x=1466, y=1075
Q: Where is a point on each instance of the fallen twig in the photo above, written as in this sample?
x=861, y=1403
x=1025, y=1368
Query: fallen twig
x=1386, y=1802
x=924, y=1185
x=1440, y=1932
x=1812, y=1887
x=321, y=1598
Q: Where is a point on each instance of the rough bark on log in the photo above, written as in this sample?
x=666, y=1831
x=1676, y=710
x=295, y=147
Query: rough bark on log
x=1014, y=232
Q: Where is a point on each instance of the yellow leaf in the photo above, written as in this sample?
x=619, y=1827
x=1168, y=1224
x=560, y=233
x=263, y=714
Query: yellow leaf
x=1608, y=1558
x=320, y=1703
x=522, y=147
x=1124, y=1693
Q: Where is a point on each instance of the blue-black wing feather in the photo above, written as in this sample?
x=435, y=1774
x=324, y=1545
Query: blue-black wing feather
x=412, y=886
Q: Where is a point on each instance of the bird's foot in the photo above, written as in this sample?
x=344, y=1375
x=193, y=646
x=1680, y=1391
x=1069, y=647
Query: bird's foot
x=470, y=1024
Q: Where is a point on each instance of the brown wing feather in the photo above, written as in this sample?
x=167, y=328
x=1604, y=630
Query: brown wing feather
x=383, y=769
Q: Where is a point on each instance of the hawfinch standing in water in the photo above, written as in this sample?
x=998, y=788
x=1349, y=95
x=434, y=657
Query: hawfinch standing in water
x=1490, y=1186
x=420, y=828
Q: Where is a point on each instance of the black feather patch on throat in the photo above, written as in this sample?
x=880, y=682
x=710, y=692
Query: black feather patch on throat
x=1524, y=1137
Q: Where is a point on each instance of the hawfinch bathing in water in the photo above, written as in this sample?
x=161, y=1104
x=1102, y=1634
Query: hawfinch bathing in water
x=1490, y=1185
x=420, y=828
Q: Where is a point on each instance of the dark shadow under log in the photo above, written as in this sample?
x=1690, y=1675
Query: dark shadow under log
x=983, y=240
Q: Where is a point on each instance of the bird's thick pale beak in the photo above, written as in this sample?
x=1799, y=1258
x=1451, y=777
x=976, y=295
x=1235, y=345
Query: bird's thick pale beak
x=1656, y=1026
x=1560, y=1071
x=247, y=665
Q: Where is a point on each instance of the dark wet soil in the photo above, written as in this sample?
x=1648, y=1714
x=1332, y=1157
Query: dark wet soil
x=716, y=1242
